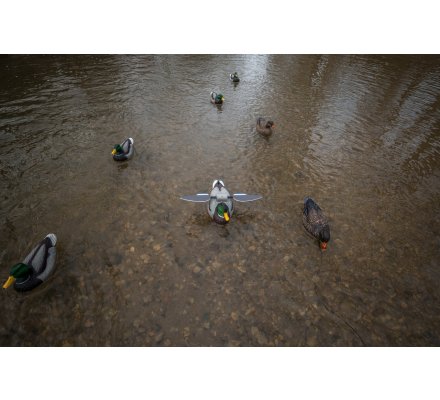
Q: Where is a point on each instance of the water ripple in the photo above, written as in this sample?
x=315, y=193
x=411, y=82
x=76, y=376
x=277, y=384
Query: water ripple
x=360, y=134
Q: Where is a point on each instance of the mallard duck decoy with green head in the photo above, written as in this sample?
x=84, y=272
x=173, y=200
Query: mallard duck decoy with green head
x=234, y=77
x=217, y=98
x=123, y=151
x=316, y=222
x=220, y=201
x=265, y=127
x=36, y=268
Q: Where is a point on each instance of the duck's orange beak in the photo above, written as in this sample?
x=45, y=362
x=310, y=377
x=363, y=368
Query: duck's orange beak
x=226, y=215
x=9, y=282
x=323, y=245
x=114, y=151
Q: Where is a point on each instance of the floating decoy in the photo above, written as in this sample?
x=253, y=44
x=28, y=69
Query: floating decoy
x=265, y=127
x=234, y=77
x=123, y=151
x=36, y=268
x=217, y=98
x=220, y=201
x=316, y=222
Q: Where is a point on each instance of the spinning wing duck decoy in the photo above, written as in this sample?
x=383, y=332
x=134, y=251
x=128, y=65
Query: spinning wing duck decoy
x=220, y=201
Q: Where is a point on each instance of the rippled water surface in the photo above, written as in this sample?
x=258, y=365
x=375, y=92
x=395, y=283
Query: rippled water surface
x=138, y=267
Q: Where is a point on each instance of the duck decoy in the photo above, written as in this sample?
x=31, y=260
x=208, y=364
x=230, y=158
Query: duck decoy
x=220, y=201
x=265, y=127
x=217, y=98
x=36, y=268
x=234, y=77
x=316, y=222
x=123, y=151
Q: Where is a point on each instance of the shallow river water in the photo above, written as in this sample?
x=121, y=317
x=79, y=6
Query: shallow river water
x=136, y=266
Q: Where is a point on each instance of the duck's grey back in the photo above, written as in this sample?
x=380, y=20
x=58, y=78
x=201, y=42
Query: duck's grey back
x=42, y=258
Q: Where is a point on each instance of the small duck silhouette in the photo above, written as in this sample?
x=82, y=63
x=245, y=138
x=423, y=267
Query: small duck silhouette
x=234, y=77
x=123, y=151
x=265, y=127
x=217, y=98
x=316, y=222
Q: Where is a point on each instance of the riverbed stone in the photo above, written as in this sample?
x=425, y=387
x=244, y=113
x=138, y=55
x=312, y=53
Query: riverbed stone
x=186, y=332
x=261, y=338
x=89, y=323
x=158, y=338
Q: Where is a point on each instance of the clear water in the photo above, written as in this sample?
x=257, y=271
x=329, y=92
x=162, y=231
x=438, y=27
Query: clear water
x=139, y=267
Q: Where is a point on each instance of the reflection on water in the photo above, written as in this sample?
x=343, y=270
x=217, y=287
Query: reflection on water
x=138, y=267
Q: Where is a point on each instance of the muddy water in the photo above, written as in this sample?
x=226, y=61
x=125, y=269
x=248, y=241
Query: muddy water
x=139, y=267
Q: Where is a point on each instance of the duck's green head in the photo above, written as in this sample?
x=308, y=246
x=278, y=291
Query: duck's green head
x=117, y=149
x=223, y=211
x=219, y=98
x=18, y=271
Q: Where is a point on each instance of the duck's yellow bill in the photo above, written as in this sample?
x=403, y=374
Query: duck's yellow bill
x=9, y=282
x=113, y=151
x=226, y=216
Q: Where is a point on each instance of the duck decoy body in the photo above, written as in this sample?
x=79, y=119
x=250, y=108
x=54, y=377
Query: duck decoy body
x=36, y=268
x=123, y=151
x=217, y=98
x=316, y=222
x=234, y=77
x=220, y=201
x=265, y=127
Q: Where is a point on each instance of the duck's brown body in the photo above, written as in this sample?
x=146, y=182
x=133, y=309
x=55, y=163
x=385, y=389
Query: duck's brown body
x=315, y=222
x=265, y=127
